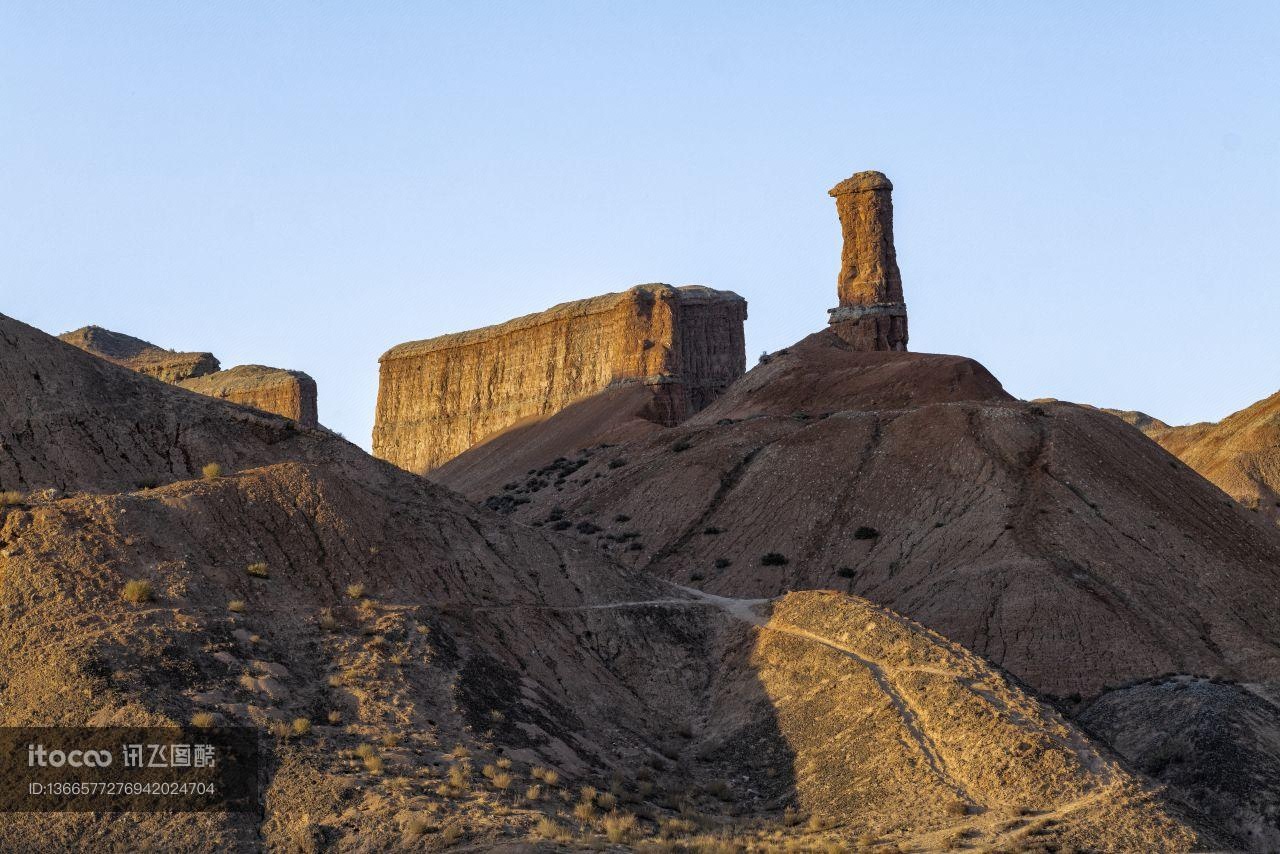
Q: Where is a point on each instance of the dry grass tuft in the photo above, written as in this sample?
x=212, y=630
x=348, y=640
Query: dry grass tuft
x=11, y=498
x=355, y=591
x=501, y=780
x=258, y=570
x=373, y=764
x=138, y=591
x=211, y=471
x=335, y=717
x=619, y=827
x=236, y=606
x=203, y=720
x=300, y=726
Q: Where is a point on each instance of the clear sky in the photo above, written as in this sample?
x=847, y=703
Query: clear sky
x=1088, y=195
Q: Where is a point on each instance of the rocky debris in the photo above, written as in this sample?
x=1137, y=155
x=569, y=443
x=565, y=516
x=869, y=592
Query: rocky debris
x=288, y=393
x=422, y=639
x=1215, y=743
x=871, y=314
x=441, y=396
x=142, y=356
x=283, y=392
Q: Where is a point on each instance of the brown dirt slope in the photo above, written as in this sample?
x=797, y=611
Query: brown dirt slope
x=1051, y=538
x=474, y=643
x=1240, y=454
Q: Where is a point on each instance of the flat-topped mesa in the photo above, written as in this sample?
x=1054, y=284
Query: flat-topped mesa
x=441, y=396
x=276, y=390
x=872, y=314
x=141, y=356
x=288, y=393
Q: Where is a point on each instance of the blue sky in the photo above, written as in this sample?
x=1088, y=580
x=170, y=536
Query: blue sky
x=1088, y=195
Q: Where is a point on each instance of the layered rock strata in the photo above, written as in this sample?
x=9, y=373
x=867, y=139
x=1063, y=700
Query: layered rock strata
x=142, y=356
x=872, y=314
x=441, y=396
x=276, y=390
x=288, y=393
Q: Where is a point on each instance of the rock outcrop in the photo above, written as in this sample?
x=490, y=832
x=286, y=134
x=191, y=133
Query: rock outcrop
x=288, y=393
x=872, y=314
x=396, y=622
x=277, y=390
x=441, y=396
x=142, y=356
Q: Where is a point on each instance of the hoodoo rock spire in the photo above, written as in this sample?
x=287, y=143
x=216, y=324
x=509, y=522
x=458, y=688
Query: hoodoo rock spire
x=872, y=314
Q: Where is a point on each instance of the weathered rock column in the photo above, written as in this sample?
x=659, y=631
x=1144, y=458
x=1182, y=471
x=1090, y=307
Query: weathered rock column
x=871, y=314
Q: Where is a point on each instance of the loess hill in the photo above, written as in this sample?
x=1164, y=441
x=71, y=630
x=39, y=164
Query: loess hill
x=471, y=642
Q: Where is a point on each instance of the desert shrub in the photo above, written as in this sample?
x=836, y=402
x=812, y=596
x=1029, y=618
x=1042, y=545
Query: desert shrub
x=258, y=570
x=459, y=776
x=588, y=794
x=584, y=812
x=489, y=771
x=416, y=825
x=373, y=764
x=138, y=591
x=211, y=471
x=533, y=792
x=356, y=590
x=774, y=559
x=865, y=532
x=550, y=776
x=546, y=828
x=676, y=827
x=722, y=562
x=236, y=606
x=364, y=751
x=619, y=826
x=203, y=720
x=607, y=800
x=503, y=763
x=502, y=780
x=300, y=726
x=11, y=498
x=335, y=717
x=390, y=740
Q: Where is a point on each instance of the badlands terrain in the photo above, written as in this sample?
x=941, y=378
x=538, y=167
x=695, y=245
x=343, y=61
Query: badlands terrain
x=603, y=588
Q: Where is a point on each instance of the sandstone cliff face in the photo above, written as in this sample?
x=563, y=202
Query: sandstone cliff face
x=276, y=390
x=441, y=396
x=142, y=356
x=871, y=314
x=288, y=393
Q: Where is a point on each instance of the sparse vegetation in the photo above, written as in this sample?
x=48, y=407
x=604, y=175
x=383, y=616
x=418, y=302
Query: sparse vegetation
x=11, y=498
x=138, y=591
x=335, y=717
x=327, y=621
x=203, y=720
x=355, y=590
x=373, y=764
x=619, y=827
x=258, y=570
x=211, y=471
x=236, y=606
x=774, y=559
x=502, y=780
x=300, y=726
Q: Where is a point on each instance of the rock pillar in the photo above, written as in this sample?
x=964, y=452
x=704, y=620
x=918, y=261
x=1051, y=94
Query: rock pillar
x=872, y=314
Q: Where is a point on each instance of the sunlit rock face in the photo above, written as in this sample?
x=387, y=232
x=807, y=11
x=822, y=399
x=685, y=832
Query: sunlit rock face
x=441, y=396
x=872, y=314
